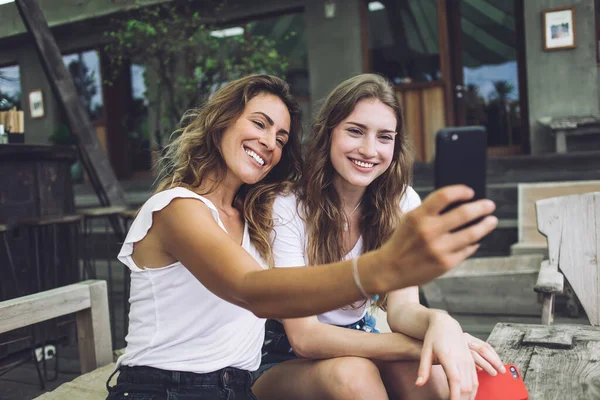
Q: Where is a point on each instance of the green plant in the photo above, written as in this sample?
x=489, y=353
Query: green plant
x=187, y=59
x=62, y=135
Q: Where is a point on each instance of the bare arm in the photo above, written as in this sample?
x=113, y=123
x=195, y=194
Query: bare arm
x=188, y=232
x=313, y=339
x=406, y=315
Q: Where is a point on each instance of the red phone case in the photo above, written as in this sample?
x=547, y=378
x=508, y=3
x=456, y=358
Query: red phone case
x=507, y=386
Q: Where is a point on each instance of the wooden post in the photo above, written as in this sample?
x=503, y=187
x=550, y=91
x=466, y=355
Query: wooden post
x=93, y=157
x=93, y=330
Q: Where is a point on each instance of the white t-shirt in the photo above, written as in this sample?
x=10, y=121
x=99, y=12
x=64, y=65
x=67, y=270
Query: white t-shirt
x=177, y=324
x=290, y=242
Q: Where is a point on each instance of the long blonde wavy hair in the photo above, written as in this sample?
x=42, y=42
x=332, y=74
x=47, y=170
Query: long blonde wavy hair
x=317, y=196
x=196, y=152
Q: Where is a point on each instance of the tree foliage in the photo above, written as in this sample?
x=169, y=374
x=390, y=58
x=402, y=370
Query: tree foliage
x=186, y=58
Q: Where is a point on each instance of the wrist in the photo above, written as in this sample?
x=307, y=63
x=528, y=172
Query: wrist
x=372, y=273
x=408, y=348
x=436, y=316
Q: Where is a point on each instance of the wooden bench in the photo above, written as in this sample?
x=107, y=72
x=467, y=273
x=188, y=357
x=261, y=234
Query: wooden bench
x=530, y=241
x=89, y=301
x=560, y=361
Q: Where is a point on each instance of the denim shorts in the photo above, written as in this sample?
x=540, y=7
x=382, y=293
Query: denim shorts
x=147, y=383
x=277, y=348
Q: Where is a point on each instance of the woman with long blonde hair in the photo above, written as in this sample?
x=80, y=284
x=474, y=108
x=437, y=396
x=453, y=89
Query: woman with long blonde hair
x=200, y=247
x=352, y=195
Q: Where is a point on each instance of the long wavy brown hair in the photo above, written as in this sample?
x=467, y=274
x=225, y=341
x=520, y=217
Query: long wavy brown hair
x=196, y=152
x=317, y=196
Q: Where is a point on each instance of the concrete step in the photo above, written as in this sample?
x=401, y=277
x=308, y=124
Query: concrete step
x=525, y=168
x=503, y=194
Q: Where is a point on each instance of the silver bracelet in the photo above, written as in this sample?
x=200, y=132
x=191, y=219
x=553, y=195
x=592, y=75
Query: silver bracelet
x=357, y=278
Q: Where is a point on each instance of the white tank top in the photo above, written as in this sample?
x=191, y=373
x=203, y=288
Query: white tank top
x=177, y=324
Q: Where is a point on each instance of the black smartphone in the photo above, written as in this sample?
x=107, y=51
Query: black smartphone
x=461, y=158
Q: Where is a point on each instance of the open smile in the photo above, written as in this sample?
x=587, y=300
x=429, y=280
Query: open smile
x=362, y=165
x=260, y=161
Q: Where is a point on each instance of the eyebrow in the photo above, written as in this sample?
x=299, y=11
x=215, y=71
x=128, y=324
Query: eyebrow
x=365, y=127
x=270, y=121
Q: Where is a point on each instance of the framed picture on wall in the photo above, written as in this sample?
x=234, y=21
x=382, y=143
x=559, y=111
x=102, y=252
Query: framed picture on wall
x=559, y=28
x=36, y=104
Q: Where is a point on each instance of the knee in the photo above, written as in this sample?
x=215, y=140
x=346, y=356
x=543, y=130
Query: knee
x=354, y=378
x=438, y=384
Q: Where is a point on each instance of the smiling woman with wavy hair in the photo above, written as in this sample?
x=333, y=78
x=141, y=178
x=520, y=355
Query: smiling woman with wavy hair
x=325, y=218
x=194, y=159
x=349, y=201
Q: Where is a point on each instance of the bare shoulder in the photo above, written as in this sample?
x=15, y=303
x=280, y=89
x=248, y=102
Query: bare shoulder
x=182, y=216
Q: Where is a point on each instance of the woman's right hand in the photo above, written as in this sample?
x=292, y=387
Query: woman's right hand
x=425, y=245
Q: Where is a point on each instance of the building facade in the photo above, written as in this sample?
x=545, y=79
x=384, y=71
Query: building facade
x=453, y=62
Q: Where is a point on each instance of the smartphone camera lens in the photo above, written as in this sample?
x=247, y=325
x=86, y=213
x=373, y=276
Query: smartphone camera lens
x=514, y=373
x=454, y=137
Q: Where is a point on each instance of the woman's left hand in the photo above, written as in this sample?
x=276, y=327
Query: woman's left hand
x=484, y=355
x=444, y=342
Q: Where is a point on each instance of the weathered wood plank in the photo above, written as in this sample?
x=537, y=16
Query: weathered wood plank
x=548, y=336
x=579, y=250
x=551, y=373
x=556, y=374
x=582, y=333
x=91, y=386
x=549, y=279
x=506, y=340
x=93, y=330
x=38, y=307
x=572, y=227
x=549, y=223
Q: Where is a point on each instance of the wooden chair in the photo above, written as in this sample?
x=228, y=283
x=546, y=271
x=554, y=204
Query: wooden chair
x=560, y=361
x=573, y=235
x=530, y=240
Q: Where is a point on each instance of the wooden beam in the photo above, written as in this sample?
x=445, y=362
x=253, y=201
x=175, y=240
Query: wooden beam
x=28, y=310
x=93, y=157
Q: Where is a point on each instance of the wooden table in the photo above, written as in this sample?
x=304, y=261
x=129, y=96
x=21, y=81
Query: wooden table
x=557, y=361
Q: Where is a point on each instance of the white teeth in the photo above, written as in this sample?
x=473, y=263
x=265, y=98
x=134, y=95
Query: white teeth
x=256, y=157
x=363, y=164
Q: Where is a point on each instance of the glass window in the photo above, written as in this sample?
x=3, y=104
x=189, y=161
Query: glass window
x=85, y=70
x=403, y=40
x=10, y=87
x=490, y=69
x=289, y=35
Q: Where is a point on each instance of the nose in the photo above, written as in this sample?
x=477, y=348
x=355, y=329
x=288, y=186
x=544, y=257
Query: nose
x=268, y=140
x=368, y=147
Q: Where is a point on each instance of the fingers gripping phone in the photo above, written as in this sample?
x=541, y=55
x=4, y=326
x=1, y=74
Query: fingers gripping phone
x=461, y=158
x=507, y=386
